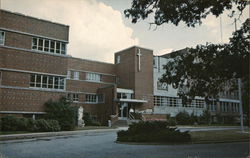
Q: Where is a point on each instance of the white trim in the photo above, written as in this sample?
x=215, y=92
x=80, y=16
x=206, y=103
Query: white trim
x=135, y=46
x=31, y=72
x=101, y=62
x=92, y=72
x=121, y=90
x=91, y=81
x=33, y=88
x=132, y=100
x=21, y=112
x=229, y=100
x=31, y=34
x=35, y=51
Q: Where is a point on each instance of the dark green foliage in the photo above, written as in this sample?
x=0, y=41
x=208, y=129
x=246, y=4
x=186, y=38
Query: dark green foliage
x=183, y=118
x=156, y=131
x=207, y=70
x=89, y=120
x=174, y=11
x=62, y=112
x=47, y=125
x=12, y=123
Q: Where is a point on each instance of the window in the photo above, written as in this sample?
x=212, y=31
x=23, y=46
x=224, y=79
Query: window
x=34, y=43
x=40, y=44
x=93, y=77
x=2, y=37
x=166, y=101
x=76, y=75
x=118, y=59
x=94, y=98
x=52, y=46
x=58, y=47
x=47, y=45
x=75, y=98
x=46, y=81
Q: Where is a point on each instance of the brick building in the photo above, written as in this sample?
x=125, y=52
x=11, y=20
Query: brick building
x=35, y=67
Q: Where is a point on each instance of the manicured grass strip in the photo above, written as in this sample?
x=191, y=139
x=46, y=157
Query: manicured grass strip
x=94, y=127
x=219, y=136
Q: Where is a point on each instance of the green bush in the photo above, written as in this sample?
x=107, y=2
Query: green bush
x=183, y=118
x=89, y=121
x=12, y=123
x=47, y=125
x=62, y=112
x=156, y=131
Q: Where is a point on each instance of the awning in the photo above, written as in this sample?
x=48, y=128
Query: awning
x=131, y=100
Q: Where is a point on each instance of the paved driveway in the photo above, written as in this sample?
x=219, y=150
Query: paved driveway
x=102, y=145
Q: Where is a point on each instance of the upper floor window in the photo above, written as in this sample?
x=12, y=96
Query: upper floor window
x=118, y=59
x=2, y=37
x=76, y=75
x=49, y=46
x=93, y=77
x=45, y=81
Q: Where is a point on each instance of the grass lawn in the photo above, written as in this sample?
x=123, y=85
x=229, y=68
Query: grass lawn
x=219, y=136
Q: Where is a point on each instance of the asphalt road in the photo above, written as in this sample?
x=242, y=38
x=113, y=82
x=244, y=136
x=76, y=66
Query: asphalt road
x=102, y=145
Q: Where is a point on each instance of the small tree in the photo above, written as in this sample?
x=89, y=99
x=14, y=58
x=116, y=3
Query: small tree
x=62, y=112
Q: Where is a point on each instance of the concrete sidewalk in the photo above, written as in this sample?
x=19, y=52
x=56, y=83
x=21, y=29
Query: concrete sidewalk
x=53, y=134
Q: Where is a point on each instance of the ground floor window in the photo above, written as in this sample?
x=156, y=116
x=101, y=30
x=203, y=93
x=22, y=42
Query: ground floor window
x=74, y=97
x=94, y=98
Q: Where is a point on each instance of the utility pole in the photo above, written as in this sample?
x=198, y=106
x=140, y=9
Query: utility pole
x=240, y=94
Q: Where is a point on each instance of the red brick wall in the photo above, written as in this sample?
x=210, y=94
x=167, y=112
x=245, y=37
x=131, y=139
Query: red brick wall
x=33, y=25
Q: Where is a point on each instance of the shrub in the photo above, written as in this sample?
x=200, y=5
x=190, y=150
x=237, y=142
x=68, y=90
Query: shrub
x=12, y=123
x=89, y=121
x=183, y=118
x=47, y=125
x=156, y=131
x=171, y=121
x=62, y=112
x=9, y=123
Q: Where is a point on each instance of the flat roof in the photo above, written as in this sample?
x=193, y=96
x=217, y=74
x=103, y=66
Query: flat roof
x=131, y=100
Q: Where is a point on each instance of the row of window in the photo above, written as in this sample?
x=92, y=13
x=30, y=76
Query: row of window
x=2, y=37
x=229, y=107
x=89, y=76
x=46, y=81
x=89, y=98
x=47, y=45
x=94, y=98
x=176, y=102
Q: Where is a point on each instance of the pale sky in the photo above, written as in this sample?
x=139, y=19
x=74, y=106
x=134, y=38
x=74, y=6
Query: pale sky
x=98, y=28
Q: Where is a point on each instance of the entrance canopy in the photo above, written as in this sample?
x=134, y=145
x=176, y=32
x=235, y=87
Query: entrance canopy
x=131, y=100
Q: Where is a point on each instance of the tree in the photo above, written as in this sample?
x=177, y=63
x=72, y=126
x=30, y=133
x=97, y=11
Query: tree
x=191, y=12
x=62, y=112
x=207, y=70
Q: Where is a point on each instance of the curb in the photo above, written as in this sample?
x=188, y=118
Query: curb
x=184, y=143
x=49, y=134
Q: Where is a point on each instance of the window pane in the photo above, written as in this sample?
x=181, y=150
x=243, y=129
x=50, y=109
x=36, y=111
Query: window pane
x=45, y=82
x=61, y=83
x=34, y=43
x=50, y=83
x=32, y=80
x=2, y=37
x=52, y=46
x=56, y=83
x=40, y=44
x=46, y=45
x=38, y=80
x=63, y=48
x=58, y=47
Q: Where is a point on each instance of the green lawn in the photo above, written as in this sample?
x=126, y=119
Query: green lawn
x=219, y=136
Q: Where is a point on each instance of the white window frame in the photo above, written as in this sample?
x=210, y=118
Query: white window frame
x=95, y=77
